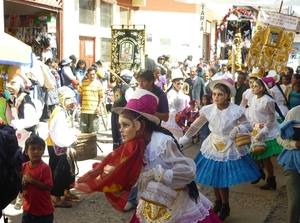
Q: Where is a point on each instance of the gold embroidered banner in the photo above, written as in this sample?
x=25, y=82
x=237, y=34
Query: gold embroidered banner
x=127, y=47
x=272, y=41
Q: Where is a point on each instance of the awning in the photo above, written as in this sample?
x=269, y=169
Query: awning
x=51, y=5
x=110, y=1
x=244, y=2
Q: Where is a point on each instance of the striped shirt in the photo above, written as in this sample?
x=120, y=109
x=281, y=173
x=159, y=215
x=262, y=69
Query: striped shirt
x=91, y=94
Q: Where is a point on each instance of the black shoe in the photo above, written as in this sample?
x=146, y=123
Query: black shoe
x=271, y=184
x=224, y=212
x=262, y=176
x=217, y=206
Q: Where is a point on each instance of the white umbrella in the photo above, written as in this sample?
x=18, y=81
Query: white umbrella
x=14, y=51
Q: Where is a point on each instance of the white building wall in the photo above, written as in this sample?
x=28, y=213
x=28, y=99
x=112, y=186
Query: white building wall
x=70, y=28
x=182, y=29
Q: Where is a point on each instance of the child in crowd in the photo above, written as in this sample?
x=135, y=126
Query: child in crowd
x=192, y=115
x=187, y=115
x=81, y=69
x=204, y=132
x=37, y=184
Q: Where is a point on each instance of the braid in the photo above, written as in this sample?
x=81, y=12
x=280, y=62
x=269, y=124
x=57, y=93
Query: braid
x=277, y=109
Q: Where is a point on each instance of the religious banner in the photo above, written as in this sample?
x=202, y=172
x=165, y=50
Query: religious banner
x=272, y=41
x=127, y=48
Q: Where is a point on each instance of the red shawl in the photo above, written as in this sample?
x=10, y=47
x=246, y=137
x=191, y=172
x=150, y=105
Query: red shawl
x=116, y=174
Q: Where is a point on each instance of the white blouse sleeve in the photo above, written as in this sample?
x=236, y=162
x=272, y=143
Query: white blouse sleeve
x=180, y=169
x=60, y=132
x=197, y=125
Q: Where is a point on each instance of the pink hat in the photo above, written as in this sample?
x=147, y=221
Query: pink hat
x=269, y=81
x=192, y=102
x=142, y=102
x=226, y=81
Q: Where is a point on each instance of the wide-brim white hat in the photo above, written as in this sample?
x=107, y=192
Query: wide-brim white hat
x=226, y=81
x=126, y=72
x=176, y=74
x=142, y=102
x=274, y=75
x=65, y=61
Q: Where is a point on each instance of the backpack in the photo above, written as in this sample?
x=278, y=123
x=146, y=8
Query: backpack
x=10, y=166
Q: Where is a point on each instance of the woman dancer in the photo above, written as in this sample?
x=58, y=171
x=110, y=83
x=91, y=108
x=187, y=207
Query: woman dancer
x=177, y=102
x=161, y=158
x=219, y=155
x=265, y=126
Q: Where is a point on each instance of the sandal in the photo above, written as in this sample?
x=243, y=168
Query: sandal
x=71, y=197
x=63, y=204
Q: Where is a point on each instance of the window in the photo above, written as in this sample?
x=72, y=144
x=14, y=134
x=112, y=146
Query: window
x=105, y=14
x=87, y=12
x=105, y=44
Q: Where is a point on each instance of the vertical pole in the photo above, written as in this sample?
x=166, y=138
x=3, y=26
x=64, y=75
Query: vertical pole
x=233, y=52
x=280, y=6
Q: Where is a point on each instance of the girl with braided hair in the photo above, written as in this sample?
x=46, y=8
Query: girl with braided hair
x=220, y=156
x=159, y=159
x=265, y=127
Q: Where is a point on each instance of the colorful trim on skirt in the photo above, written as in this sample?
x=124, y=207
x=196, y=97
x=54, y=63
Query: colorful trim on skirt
x=272, y=148
x=211, y=218
x=225, y=174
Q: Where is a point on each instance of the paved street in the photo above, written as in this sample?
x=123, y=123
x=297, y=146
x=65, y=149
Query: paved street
x=248, y=203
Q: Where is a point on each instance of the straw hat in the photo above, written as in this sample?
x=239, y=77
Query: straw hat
x=256, y=72
x=142, y=102
x=226, y=81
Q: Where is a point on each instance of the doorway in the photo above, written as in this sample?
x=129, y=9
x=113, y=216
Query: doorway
x=87, y=50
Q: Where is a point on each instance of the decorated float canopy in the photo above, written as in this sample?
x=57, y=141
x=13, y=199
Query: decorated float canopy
x=272, y=41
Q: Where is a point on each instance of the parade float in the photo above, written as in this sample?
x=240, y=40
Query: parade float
x=272, y=41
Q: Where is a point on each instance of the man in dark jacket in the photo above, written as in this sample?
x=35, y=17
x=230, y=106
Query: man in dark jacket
x=74, y=62
x=240, y=87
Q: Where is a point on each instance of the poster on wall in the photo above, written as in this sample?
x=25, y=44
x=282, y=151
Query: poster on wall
x=127, y=48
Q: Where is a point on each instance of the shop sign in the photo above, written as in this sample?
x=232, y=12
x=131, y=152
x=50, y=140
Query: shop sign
x=202, y=17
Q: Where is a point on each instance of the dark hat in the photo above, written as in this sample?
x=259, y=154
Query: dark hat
x=73, y=57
